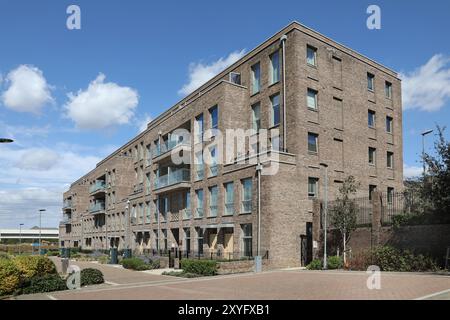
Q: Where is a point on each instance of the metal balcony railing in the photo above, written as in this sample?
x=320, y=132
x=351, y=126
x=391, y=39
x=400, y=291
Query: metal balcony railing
x=246, y=206
x=174, y=177
x=187, y=214
x=98, y=206
x=229, y=208
x=98, y=185
x=199, y=212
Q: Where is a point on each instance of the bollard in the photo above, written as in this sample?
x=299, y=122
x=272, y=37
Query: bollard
x=258, y=264
x=64, y=265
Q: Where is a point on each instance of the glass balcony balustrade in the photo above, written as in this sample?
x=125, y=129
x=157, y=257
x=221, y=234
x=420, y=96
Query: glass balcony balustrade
x=97, y=207
x=246, y=206
x=167, y=146
x=174, y=177
x=97, y=186
x=67, y=204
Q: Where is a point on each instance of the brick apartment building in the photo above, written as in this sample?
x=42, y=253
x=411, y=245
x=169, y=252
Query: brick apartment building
x=320, y=102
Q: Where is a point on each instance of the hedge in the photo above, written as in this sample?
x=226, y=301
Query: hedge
x=46, y=283
x=9, y=277
x=200, y=267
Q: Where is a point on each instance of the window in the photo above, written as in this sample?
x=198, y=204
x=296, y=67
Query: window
x=198, y=127
x=199, y=165
x=371, y=119
x=256, y=78
x=388, y=89
x=274, y=67
x=370, y=82
x=372, y=189
x=312, y=99
x=148, y=214
x=199, y=195
x=214, y=116
x=390, y=195
x=187, y=211
x=372, y=155
x=235, y=78
x=275, y=116
x=256, y=116
x=312, y=142
x=390, y=160
x=246, y=195
x=311, y=54
x=275, y=143
x=229, y=198
x=213, y=201
x=141, y=212
x=389, y=124
x=213, y=164
x=246, y=239
x=200, y=240
x=312, y=187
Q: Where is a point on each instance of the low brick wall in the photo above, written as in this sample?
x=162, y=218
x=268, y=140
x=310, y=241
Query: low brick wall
x=426, y=239
x=229, y=267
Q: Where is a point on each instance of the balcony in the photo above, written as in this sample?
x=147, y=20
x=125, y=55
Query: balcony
x=67, y=204
x=66, y=220
x=98, y=186
x=229, y=208
x=164, y=149
x=97, y=208
x=177, y=179
x=199, y=213
x=213, y=171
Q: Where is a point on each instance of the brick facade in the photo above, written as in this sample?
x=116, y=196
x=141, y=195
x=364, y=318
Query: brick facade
x=340, y=121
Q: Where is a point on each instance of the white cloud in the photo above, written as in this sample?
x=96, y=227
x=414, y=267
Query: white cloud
x=411, y=171
x=428, y=87
x=28, y=90
x=38, y=159
x=102, y=105
x=142, y=123
x=36, y=178
x=200, y=73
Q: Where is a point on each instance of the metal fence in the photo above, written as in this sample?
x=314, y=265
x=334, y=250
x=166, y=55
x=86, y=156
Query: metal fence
x=206, y=254
x=398, y=203
x=364, y=210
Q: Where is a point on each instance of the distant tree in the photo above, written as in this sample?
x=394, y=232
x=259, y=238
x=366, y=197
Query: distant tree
x=343, y=211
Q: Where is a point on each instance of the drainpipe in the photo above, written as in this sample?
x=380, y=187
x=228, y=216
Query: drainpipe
x=258, y=171
x=283, y=46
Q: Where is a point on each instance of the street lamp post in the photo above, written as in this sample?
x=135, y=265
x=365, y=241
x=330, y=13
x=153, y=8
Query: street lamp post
x=20, y=238
x=40, y=229
x=423, y=148
x=325, y=209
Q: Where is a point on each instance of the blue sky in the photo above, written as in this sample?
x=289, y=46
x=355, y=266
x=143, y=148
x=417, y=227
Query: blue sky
x=139, y=55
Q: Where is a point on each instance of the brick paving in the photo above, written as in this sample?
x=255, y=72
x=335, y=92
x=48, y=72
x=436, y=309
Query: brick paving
x=292, y=284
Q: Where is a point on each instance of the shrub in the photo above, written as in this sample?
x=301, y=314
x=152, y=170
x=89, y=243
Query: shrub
x=200, y=267
x=4, y=255
x=180, y=274
x=134, y=264
x=334, y=262
x=53, y=253
x=316, y=264
x=9, y=276
x=46, y=283
x=33, y=266
x=103, y=259
x=91, y=276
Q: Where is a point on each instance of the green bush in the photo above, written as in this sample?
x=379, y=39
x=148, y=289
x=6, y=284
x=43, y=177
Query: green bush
x=33, y=266
x=53, y=253
x=199, y=267
x=334, y=262
x=4, y=255
x=91, y=276
x=9, y=276
x=134, y=264
x=180, y=274
x=316, y=264
x=46, y=283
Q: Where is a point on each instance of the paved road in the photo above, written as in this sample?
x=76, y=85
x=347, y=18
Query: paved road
x=292, y=284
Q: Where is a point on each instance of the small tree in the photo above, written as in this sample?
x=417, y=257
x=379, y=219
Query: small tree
x=437, y=183
x=343, y=211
